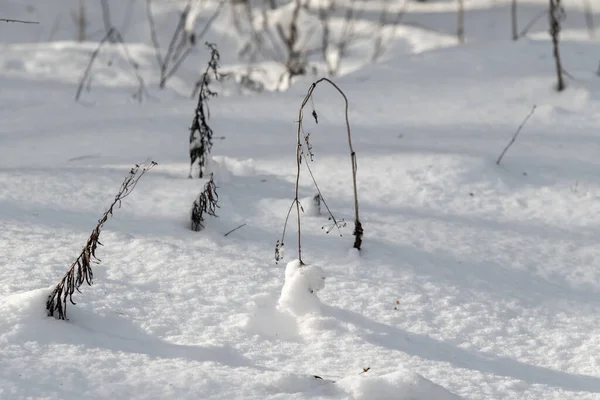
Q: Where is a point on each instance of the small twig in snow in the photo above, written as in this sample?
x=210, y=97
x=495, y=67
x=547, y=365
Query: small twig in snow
x=235, y=229
x=18, y=21
x=516, y=134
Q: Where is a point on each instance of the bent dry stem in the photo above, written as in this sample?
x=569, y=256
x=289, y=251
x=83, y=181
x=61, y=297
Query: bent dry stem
x=358, y=229
x=80, y=271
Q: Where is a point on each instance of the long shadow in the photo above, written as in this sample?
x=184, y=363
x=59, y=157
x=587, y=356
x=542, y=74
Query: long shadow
x=392, y=338
x=118, y=334
x=489, y=277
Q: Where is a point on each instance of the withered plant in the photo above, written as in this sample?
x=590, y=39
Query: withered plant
x=205, y=203
x=112, y=36
x=183, y=40
x=201, y=133
x=80, y=271
x=304, y=151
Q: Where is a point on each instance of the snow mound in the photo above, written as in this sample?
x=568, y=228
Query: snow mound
x=225, y=168
x=19, y=306
x=399, y=385
x=298, y=295
x=265, y=319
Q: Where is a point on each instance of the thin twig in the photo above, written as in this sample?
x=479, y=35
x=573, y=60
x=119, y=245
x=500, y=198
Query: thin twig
x=516, y=134
x=235, y=229
x=210, y=21
x=86, y=73
x=168, y=57
x=336, y=223
x=18, y=21
x=153, y=35
x=532, y=23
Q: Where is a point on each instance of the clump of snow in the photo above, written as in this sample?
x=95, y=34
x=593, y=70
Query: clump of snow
x=302, y=282
x=311, y=206
x=23, y=305
x=398, y=385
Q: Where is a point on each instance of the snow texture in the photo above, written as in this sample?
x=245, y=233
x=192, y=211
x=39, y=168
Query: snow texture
x=475, y=280
x=399, y=385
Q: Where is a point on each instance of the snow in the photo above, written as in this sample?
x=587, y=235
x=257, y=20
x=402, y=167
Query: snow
x=400, y=385
x=299, y=292
x=475, y=281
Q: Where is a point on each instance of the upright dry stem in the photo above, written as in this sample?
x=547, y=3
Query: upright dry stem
x=460, y=32
x=513, y=14
x=557, y=14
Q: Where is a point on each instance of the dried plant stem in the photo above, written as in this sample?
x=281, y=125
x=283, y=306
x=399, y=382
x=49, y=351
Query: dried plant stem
x=514, y=138
x=113, y=36
x=207, y=202
x=336, y=223
x=514, y=22
x=557, y=14
x=532, y=23
x=80, y=271
x=460, y=31
x=589, y=18
x=358, y=231
x=200, y=132
x=182, y=41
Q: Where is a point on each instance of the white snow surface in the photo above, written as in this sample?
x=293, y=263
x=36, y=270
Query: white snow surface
x=475, y=280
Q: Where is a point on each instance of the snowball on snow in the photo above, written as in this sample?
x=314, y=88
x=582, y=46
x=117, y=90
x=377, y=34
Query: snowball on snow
x=298, y=294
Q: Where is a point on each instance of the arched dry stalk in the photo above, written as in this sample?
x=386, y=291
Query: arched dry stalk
x=80, y=271
x=358, y=229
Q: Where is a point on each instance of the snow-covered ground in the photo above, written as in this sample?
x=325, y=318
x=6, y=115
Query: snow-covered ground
x=476, y=281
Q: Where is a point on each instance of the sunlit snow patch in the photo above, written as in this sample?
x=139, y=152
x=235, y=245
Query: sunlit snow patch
x=399, y=385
